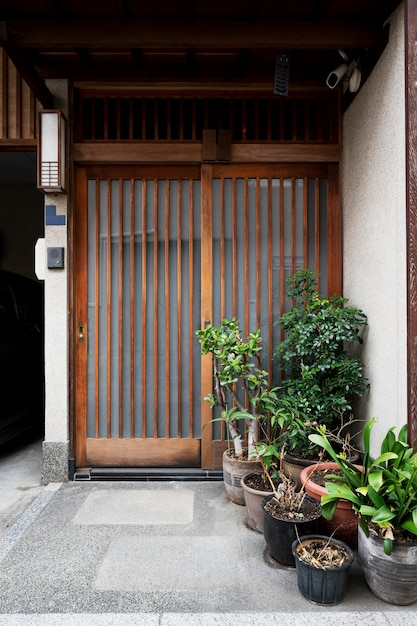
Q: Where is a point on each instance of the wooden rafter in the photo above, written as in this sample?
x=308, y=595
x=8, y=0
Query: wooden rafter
x=205, y=35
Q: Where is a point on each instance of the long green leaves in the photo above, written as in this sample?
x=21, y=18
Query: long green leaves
x=384, y=491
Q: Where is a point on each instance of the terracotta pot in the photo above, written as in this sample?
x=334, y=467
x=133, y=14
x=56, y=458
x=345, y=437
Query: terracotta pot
x=233, y=472
x=253, y=501
x=293, y=466
x=322, y=585
x=392, y=578
x=280, y=534
x=344, y=524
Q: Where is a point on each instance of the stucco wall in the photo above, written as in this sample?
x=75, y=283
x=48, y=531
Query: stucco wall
x=56, y=444
x=374, y=248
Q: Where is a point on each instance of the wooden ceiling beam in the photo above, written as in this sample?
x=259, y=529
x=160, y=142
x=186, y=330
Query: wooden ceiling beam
x=26, y=69
x=209, y=35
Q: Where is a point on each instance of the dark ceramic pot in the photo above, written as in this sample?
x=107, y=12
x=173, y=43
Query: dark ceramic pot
x=321, y=585
x=280, y=534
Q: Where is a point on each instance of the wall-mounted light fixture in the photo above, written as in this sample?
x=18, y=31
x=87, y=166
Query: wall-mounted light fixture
x=52, y=152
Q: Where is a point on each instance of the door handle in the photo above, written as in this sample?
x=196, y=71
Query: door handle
x=80, y=331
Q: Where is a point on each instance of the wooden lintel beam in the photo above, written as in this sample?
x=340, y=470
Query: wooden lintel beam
x=203, y=35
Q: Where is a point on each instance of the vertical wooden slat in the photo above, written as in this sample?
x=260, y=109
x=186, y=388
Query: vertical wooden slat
x=259, y=277
x=181, y=136
x=80, y=290
x=143, y=121
x=32, y=114
x=97, y=328
x=206, y=310
x=169, y=119
x=234, y=247
x=3, y=93
x=120, y=321
x=11, y=100
x=132, y=306
x=319, y=118
x=167, y=312
x=294, y=120
x=179, y=306
x=144, y=303
x=334, y=232
x=93, y=118
x=222, y=252
x=18, y=106
x=305, y=222
x=232, y=117
x=191, y=337
x=131, y=118
x=193, y=119
x=293, y=227
x=269, y=119
x=156, y=119
x=282, y=247
x=246, y=251
x=155, y=307
x=270, y=275
x=281, y=120
x=106, y=119
x=307, y=105
x=317, y=226
x=118, y=119
x=109, y=308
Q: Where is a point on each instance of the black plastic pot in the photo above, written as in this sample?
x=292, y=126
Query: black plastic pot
x=280, y=534
x=319, y=585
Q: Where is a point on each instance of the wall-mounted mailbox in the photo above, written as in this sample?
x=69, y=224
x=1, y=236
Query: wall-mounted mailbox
x=55, y=258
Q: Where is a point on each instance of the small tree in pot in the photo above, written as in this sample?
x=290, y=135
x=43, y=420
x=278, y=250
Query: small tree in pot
x=240, y=391
x=320, y=373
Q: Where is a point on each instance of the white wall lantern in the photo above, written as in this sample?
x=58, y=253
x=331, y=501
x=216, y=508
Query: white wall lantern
x=52, y=152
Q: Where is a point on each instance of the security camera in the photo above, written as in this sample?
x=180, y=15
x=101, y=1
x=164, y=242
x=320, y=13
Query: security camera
x=336, y=76
x=355, y=79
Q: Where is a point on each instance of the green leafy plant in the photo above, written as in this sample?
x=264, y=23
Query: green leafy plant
x=384, y=493
x=240, y=384
x=320, y=374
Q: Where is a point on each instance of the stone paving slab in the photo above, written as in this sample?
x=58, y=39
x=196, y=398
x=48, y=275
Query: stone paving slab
x=215, y=562
x=163, y=506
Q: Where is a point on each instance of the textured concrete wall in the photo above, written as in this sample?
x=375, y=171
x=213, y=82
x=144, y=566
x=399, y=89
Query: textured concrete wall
x=374, y=249
x=56, y=333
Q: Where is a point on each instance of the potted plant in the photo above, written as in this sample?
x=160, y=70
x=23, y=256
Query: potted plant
x=288, y=513
x=322, y=564
x=240, y=391
x=257, y=485
x=384, y=496
x=320, y=372
x=344, y=523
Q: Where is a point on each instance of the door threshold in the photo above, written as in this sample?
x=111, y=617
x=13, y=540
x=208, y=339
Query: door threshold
x=147, y=474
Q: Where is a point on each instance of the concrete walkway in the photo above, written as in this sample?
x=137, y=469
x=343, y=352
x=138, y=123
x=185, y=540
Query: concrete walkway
x=157, y=553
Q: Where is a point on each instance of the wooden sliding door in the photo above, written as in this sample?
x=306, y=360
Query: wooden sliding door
x=160, y=251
